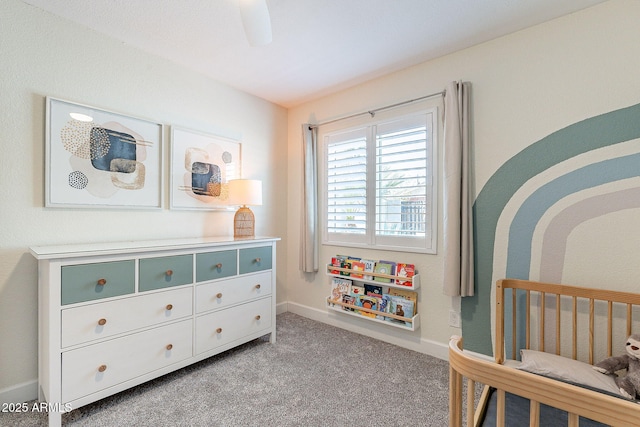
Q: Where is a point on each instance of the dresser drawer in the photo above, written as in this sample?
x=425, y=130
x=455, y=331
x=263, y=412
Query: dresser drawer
x=87, y=282
x=164, y=272
x=215, y=265
x=255, y=259
x=224, y=326
x=99, y=366
x=95, y=321
x=224, y=293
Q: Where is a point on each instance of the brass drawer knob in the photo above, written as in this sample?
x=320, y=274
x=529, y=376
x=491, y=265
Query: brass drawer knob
x=219, y=330
x=102, y=322
x=219, y=295
x=257, y=260
x=258, y=286
x=258, y=317
x=102, y=282
x=169, y=306
x=169, y=273
x=219, y=265
x=169, y=346
x=102, y=368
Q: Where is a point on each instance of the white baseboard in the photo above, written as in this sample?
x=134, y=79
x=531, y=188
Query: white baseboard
x=374, y=330
x=20, y=393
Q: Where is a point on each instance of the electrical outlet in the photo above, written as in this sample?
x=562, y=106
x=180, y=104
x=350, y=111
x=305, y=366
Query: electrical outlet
x=454, y=318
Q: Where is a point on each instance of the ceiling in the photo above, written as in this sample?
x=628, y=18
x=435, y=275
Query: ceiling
x=318, y=47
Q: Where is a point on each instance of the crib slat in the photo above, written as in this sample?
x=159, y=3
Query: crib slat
x=471, y=395
x=500, y=408
x=514, y=318
x=573, y=420
x=629, y=318
x=528, y=327
x=543, y=299
x=574, y=354
x=558, y=339
x=591, y=328
x=534, y=414
x=609, y=328
x=455, y=397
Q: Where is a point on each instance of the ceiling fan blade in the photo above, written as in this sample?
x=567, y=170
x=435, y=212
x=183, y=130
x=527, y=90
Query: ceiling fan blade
x=256, y=21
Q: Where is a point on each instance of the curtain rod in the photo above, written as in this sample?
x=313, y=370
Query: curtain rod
x=372, y=113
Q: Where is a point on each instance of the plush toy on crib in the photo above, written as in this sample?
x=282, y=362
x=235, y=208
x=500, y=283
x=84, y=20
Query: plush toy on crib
x=630, y=383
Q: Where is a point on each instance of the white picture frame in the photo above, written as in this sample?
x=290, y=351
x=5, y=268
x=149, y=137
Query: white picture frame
x=97, y=159
x=202, y=164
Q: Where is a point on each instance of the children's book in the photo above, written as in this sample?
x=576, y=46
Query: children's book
x=348, y=299
x=382, y=268
x=408, y=295
x=383, y=305
x=401, y=307
x=357, y=290
x=369, y=265
x=339, y=287
x=337, y=261
x=405, y=270
x=367, y=302
x=373, y=290
x=358, y=266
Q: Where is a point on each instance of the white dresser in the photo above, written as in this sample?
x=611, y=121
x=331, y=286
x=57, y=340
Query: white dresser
x=114, y=315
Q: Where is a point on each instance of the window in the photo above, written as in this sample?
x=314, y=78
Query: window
x=378, y=184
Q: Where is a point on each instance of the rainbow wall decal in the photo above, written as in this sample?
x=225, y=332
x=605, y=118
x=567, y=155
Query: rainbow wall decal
x=528, y=208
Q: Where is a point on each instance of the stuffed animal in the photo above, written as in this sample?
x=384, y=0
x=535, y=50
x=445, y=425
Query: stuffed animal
x=630, y=383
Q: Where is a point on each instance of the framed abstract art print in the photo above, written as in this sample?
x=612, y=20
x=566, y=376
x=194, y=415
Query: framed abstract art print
x=101, y=159
x=201, y=167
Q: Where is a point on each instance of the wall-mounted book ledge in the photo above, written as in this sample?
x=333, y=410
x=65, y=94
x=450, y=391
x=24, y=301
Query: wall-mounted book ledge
x=409, y=323
x=357, y=275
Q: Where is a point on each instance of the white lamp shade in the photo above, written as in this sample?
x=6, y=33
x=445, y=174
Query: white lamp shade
x=245, y=192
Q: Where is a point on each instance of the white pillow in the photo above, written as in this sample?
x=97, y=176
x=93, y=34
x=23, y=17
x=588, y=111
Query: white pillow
x=566, y=369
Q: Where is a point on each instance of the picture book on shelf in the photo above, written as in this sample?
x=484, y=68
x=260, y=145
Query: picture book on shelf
x=401, y=307
x=348, y=299
x=358, y=266
x=373, y=290
x=337, y=261
x=408, y=295
x=382, y=268
x=339, y=287
x=357, y=290
x=405, y=270
x=367, y=302
x=383, y=305
x=369, y=266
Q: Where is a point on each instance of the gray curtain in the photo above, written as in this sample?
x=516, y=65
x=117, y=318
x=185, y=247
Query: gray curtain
x=458, y=221
x=309, y=211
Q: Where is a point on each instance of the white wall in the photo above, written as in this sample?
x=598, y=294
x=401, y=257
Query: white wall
x=525, y=86
x=42, y=55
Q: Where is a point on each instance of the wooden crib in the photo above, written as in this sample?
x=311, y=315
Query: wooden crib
x=547, y=320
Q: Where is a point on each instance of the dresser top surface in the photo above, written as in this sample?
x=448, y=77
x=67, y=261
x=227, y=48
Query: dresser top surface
x=105, y=248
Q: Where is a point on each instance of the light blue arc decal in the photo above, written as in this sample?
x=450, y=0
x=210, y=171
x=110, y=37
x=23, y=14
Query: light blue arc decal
x=590, y=134
x=534, y=207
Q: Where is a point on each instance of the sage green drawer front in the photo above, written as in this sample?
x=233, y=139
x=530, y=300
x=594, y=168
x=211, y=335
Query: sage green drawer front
x=164, y=272
x=255, y=259
x=87, y=282
x=215, y=265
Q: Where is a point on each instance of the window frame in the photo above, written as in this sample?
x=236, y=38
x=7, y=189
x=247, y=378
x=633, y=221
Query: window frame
x=369, y=239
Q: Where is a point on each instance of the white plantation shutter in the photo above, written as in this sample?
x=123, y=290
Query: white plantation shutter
x=347, y=183
x=379, y=185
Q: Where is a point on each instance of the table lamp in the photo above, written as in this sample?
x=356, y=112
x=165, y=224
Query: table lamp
x=244, y=192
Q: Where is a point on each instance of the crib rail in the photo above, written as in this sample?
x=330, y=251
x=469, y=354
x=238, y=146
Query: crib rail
x=576, y=401
x=555, y=330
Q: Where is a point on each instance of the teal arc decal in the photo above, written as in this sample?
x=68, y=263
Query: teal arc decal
x=590, y=134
